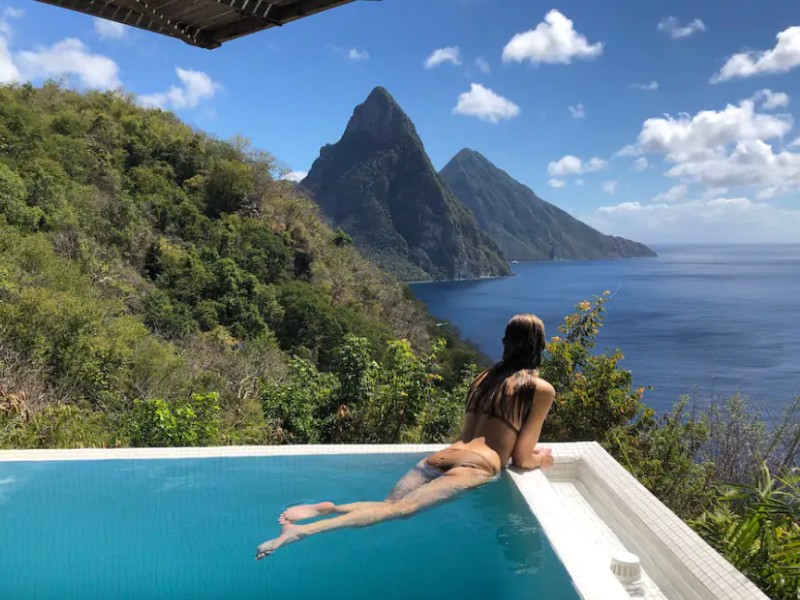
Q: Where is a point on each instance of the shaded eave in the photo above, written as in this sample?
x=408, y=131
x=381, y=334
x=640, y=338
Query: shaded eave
x=203, y=23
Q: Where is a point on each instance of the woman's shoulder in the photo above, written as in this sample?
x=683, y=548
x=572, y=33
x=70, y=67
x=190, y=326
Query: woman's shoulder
x=532, y=380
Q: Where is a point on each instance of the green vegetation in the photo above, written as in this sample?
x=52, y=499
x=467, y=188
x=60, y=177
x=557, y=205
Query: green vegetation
x=524, y=226
x=154, y=279
x=160, y=287
x=378, y=184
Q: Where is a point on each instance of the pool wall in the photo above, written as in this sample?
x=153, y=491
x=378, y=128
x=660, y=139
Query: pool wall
x=676, y=561
x=588, y=506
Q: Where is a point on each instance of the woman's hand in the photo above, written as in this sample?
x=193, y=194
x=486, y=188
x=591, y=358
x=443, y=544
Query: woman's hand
x=540, y=458
x=546, y=455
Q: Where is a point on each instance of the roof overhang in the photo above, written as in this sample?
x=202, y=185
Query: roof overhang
x=203, y=23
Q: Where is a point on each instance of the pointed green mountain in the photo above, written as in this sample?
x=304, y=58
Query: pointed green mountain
x=524, y=226
x=378, y=184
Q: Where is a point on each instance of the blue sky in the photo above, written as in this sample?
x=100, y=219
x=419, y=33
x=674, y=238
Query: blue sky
x=664, y=122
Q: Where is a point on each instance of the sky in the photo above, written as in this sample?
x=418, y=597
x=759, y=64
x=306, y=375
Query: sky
x=664, y=122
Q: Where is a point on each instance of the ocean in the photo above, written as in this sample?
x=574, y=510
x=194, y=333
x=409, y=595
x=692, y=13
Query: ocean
x=708, y=321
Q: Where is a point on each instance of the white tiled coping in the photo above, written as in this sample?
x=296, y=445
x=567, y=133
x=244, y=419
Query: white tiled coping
x=678, y=564
x=675, y=559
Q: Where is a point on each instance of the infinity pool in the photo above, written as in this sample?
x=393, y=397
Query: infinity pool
x=177, y=529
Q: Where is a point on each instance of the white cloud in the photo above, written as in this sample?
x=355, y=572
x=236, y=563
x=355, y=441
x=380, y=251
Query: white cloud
x=578, y=111
x=783, y=57
x=296, y=176
x=8, y=70
x=673, y=28
x=9, y=73
x=715, y=220
x=109, y=30
x=566, y=165
x=703, y=135
x=639, y=165
x=68, y=59
x=673, y=194
x=483, y=65
x=6, y=15
x=451, y=55
x=71, y=59
x=553, y=41
x=196, y=87
x=610, y=187
x=716, y=192
x=356, y=54
x=483, y=103
x=579, y=182
x=556, y=183
x=572, y=165
x=750, y=163
x=731, y=147
x=629, y=150
x=795, y=143
x=651, y=86
x=769, y=100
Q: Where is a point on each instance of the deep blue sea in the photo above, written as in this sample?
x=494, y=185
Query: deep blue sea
x=188, y=529
x=703, y=320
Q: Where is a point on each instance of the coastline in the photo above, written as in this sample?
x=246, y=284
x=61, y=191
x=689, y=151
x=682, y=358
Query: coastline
x=484, y=278
x=528, y=262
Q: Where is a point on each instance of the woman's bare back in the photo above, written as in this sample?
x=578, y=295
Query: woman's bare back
x=500, y=438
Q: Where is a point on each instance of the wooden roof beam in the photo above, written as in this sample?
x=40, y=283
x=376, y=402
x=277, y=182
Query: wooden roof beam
x=262, y=16
x=145, y=18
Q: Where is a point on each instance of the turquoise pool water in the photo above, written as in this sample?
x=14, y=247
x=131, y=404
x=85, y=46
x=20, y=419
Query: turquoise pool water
x=188, y=528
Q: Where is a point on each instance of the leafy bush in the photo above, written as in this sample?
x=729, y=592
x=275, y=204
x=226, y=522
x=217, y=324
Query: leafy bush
x=663, y=454
x=157, y=423
x=757, y=528
x=593, y=395
x=300, y=408
x=362, y=401
x=13, y=201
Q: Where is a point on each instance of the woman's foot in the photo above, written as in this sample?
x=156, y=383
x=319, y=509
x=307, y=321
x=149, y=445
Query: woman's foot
x=305, y=511
x=289, y=534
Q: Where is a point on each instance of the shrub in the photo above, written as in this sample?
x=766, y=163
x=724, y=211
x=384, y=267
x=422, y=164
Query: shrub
x=593, y=395
x=13, y=201
x=757, y=528
x=157, y=423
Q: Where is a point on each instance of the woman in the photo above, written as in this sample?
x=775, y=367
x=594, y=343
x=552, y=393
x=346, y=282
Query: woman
x=506, y=407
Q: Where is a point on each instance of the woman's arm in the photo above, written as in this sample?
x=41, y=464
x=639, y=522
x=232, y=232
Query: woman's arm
x=522, y=456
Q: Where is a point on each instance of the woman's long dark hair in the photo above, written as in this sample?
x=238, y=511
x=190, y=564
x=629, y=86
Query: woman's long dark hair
x=523, y=343
x=523, y=346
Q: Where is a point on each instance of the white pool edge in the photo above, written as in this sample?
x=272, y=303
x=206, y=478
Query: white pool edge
x=694, y=569
x=674, y=556
x=210, y=452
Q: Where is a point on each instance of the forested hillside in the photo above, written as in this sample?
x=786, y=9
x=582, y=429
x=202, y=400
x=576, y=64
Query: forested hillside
x=141, y=260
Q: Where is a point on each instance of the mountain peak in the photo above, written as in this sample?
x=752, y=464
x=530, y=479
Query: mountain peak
x=468, y=155
x=379, y=116
x=381, y=94
x=524, y=226
x=378, y=184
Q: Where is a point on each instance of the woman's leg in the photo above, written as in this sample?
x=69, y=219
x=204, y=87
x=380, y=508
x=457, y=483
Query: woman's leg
x=363, y=514
x=416, y=477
